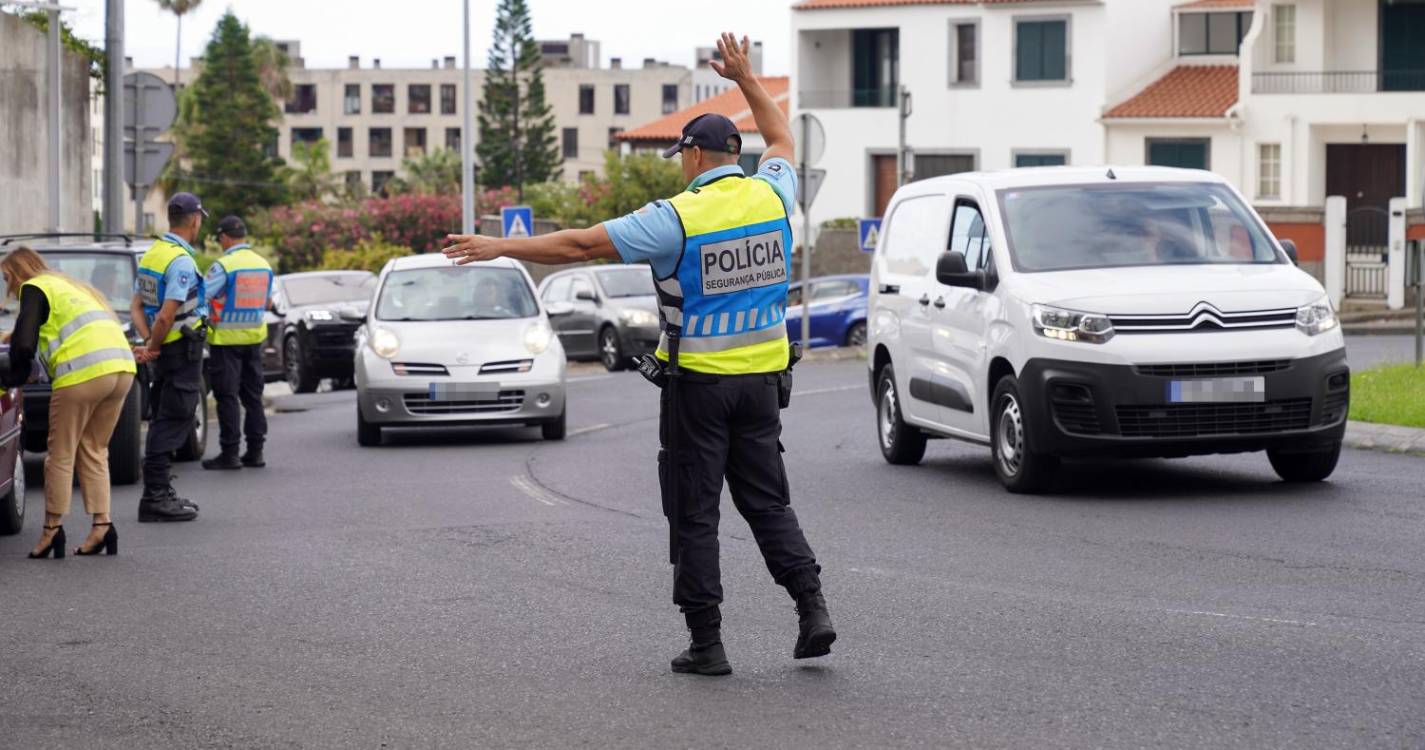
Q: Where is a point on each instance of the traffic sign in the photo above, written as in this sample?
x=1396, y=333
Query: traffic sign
x=517, y=221
x=869, y=234
x=809, y=184
x=150, y=162
x=149, y=105
x=810, y=139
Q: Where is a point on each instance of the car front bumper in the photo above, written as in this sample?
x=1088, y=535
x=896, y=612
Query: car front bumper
x=522, y=398
x=1089, y=409
x=639, y=341
x=329, y=349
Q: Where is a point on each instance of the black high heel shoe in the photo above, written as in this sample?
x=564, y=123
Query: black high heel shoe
x=56, y=545
x=109, y=544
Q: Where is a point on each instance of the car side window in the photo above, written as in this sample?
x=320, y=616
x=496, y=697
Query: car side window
x=558, y=290
x=580, y=285
x=832, y=290
x=969, y=236
x=916, y=235
x=794, y=296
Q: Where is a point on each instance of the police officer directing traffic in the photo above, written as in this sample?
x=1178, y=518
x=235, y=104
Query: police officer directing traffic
x=720, y=254
x=238, y=287
x=168, y=310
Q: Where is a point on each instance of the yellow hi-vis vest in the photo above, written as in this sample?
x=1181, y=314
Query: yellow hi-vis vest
x=153, y=288
x=238, y=315
x=81, y=340
x=728, y=297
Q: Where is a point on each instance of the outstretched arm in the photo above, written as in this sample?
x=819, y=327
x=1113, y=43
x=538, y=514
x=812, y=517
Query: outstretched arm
x=557, y=248
x=771, y=123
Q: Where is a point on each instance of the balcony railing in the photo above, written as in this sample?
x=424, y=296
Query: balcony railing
x=1338, y=82
x=847, y=98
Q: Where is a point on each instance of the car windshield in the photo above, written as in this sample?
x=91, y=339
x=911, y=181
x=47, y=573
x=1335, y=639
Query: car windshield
x=111, y=273
x=627, y=282
x=456, y=293
x=328, y=288
x=1107, y=226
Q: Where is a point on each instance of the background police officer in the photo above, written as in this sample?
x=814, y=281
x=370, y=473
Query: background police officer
x=238, y=287
x=168, y=308
x=723, y=306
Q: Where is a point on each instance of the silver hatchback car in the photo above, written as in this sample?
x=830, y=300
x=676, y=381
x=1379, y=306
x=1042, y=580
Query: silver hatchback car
x=446, y=345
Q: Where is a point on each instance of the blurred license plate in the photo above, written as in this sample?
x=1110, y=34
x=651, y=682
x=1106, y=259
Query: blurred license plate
x=1218, y=391
x=463, y=391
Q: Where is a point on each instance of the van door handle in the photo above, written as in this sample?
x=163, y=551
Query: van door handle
x=940, y=303
x=924, y=300
x=890, y=289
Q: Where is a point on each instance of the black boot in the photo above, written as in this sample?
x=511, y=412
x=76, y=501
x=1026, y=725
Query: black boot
x=815, y=632
x=160, y=504
x=225, y=461
x=704, y=655
x=253, y=458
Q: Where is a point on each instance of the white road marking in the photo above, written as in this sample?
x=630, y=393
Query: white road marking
x=591, y=428
x=1239, y=617
x=528, y=487
x=837, y=389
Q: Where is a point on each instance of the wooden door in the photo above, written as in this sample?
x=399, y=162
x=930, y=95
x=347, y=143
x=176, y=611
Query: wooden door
x=1367, y=174
x=883, y=171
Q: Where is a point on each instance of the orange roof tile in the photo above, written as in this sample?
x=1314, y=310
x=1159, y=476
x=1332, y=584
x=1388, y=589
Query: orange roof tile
x=1186, y=91
x=1213, y=4
x=820, y=4
x=729, y=103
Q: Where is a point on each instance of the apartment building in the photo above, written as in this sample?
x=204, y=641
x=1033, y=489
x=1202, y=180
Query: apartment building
x=706, y=82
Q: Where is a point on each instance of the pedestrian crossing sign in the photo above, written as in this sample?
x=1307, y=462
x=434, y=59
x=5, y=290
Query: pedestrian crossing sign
x=517, y=221
x=870, y=234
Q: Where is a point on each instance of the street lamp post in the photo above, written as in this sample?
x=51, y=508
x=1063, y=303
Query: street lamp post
x=52, y=56
x=467, y=175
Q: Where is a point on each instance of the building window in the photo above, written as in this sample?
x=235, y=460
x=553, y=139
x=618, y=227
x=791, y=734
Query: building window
x=351, y=99
x=964, y=54
x=875, y=67
x=1041, y=159
x=621, y=96
x=670, y=98
x=379, y=180
x=380, y=142
x=447, y=98
x=306, y=135
x=613, y=137
x=939, y=165
x=1269, y=170
x=586, y=99
x=303, y=101
x=343, y=143
x=353, y=178
x=452, y=139
x=1212, y=33
x=383, y=98
x=415, y=142
x=1041, y=50
x=418, y=99
x=1187, y=153
x=1284, y=31
x=571, y=143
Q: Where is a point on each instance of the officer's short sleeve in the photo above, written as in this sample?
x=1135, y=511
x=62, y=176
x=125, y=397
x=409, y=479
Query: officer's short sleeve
x=215, y=281
x=779, y=174
x=180, y=278
x=652, y=234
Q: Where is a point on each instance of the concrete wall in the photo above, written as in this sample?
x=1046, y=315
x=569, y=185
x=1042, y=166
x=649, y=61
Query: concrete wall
x=838, y=251
x=24, y=134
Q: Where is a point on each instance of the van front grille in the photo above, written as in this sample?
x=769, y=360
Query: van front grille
x=1214, y=369
x=1199, y=420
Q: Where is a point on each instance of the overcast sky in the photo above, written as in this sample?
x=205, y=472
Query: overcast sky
x=409, y=33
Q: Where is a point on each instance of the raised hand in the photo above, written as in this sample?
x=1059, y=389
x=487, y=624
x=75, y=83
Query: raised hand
x=468, y=248
x=735, y=65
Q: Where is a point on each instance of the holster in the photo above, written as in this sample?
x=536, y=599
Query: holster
x=784, y=378
x=195, y=337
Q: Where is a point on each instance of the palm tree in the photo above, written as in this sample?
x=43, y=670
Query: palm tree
x=272, y=64
x=178, y=8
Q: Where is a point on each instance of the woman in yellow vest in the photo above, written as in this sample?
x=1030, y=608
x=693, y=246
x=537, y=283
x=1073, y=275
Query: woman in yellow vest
x=70, y=327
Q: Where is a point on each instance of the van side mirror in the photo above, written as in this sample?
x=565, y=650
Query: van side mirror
x=951, y=270
x=1290, y=248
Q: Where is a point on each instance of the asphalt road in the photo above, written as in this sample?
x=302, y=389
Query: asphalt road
x=487, y=589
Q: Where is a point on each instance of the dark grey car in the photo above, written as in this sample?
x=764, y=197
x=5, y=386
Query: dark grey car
x=609, y=313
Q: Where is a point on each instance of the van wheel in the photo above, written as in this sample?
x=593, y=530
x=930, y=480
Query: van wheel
x=1018, y=466
x=1310, y=466
x=901, y=444
x=126, y=444
x=367, y=434
x=12, y=504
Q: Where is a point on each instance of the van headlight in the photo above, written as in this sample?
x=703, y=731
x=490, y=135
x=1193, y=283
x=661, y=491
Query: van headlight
x=1317, y=317
x=385, y=343
x=635, y=318
x=537, y=337
x=1071, y=325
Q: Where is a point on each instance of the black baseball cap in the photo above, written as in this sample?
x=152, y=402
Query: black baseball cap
x=231, y=226
x=184, y=204
x=709, y=132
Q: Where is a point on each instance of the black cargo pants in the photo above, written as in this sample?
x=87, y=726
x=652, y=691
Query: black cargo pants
x=730, y=427
x=235, y=373
x=177, y=391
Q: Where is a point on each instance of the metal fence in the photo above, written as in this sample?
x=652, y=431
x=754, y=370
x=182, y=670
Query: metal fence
x=1338, y=82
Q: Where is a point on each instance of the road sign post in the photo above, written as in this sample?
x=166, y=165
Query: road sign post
x=810, y=146
x=517, y=221
x=151, y=111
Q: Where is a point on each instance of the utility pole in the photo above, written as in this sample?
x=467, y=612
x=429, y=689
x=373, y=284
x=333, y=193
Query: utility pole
x=467, y=173
x=905, y=169
x=806, y=236
x=114, y=117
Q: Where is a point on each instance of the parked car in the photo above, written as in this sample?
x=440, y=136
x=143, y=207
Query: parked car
x=1099, y=312
x=446, y=345
x=12, y=459
x=311, y=330
x=612, y=313
x=110, y=266
x=838, y=310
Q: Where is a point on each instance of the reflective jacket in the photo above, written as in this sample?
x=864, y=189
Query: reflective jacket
x=81, y=340
x=153, y=286
x=237, y=316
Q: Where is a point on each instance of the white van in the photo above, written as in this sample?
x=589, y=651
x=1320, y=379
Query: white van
x=1058, y=312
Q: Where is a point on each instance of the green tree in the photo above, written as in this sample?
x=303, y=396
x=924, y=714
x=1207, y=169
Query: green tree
x=309, y=176
x=517, y=144
x=225, y=133
x=634, y=181
x=436, y=172
x=179, y=9
x=272, y=65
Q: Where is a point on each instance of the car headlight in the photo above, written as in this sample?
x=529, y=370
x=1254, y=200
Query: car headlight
x=1071, y=325
x=385, y=343
x=322, y=316
x=638, y=318
x=1317, y=317
x=537, y=337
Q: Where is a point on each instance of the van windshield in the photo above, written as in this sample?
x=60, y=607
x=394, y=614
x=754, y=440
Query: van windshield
x=1060, y=228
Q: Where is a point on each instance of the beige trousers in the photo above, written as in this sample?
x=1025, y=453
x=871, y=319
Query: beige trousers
x=81, y=421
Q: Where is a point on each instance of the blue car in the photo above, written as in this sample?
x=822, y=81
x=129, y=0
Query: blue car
x=838, y=311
